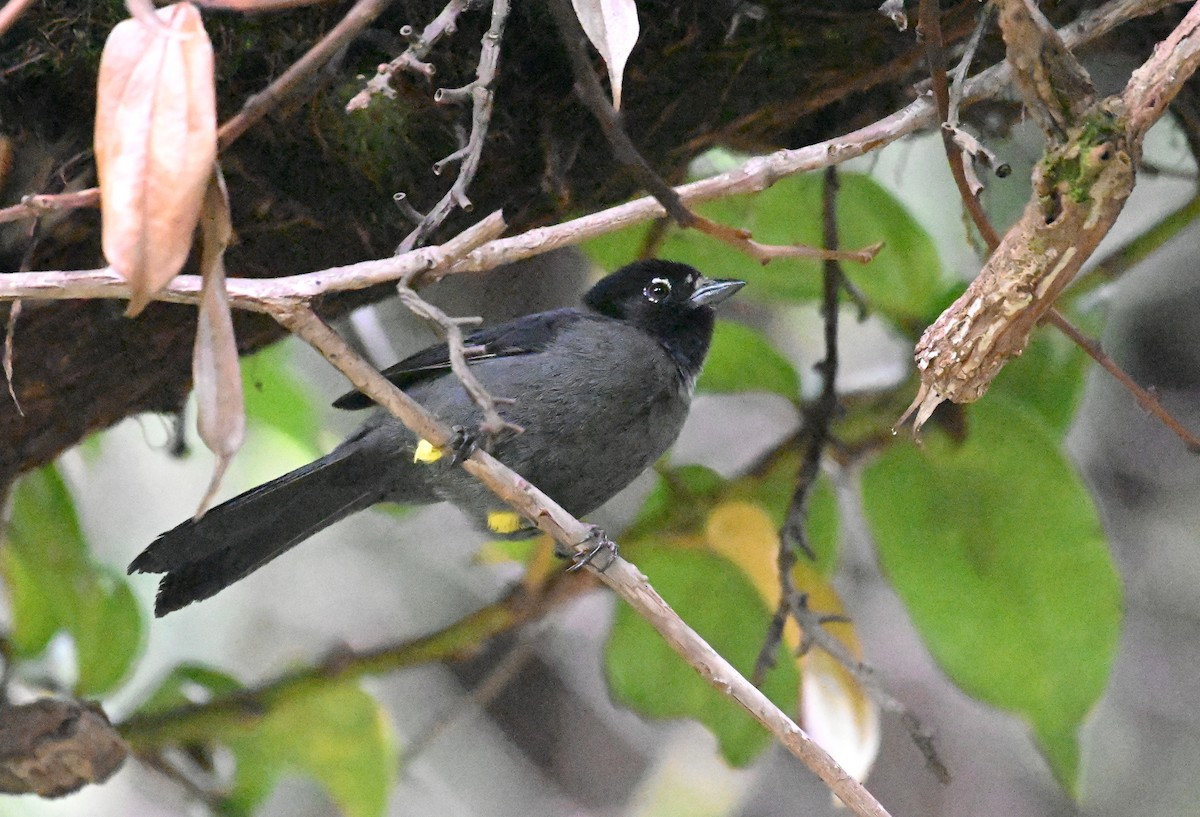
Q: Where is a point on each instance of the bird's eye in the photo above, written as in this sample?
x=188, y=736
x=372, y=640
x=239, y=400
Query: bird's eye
x=657, y=290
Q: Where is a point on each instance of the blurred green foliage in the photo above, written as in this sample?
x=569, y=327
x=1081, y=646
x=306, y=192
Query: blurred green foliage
x=993, y=544
x=991, y=541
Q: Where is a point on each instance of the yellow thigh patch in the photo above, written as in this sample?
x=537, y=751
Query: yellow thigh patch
x=427, y=452
x=504, y=521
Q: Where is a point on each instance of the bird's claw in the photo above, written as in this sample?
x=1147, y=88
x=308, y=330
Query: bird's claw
x=463, y=444
x=604, y=545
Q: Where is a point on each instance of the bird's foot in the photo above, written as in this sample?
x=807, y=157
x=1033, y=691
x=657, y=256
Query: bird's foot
x=463, y=444
x=604, y=547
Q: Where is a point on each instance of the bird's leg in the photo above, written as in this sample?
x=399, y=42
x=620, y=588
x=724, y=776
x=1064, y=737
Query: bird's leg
x=604, y=545
x=463, y=444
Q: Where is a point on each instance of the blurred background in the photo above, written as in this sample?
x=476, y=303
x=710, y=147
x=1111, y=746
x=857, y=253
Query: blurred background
x=527, y=726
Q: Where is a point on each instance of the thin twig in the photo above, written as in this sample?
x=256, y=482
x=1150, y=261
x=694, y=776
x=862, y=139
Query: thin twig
x=814, y=432
x=481, y=92
x=765, y=661
x=819, y=416
x=929, y=13
x=253, y=293
x=812, y=623
x=959, y=76
x=1145, y=398
x=451, y=329
x=589, y=91
x=38, y=204
x=765, y=253
x=482, y=96
x=413, y=58
x=573, y=535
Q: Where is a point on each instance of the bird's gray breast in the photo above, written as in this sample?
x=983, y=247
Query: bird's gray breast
x=598, y=408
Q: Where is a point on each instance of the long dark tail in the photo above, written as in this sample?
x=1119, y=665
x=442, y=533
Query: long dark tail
x=234, y=539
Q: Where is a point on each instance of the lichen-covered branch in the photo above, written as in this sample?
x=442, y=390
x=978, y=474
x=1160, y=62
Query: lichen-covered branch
x=1080, y=187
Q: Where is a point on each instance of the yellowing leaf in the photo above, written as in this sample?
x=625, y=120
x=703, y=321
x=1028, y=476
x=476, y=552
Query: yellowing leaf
x=834, y=708
x=744, y=534
x=612, y=26
x=715, y=598
x=155, y=141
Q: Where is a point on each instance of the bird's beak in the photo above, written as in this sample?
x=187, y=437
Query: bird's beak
x=710, y=291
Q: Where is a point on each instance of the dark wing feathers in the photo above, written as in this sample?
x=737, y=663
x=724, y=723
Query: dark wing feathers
x=532, y=333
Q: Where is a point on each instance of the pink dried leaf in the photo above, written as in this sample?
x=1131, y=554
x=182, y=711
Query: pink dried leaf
x=155, y=141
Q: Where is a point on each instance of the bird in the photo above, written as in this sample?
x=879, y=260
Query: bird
x=599, y=391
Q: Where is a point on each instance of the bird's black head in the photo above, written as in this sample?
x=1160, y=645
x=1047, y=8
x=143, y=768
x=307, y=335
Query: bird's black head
x=674, y=302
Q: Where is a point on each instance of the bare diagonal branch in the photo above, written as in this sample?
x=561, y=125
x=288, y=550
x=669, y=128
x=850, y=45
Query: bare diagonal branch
x=621, y=576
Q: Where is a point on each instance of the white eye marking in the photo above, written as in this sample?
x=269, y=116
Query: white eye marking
x=657, y=290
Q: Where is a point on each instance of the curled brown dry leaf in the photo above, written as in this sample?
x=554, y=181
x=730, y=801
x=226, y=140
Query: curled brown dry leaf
x=155, y=141
x=216, y=371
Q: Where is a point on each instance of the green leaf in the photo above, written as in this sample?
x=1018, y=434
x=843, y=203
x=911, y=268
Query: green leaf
x=108, y=634
x=335, y=733
x=679, y=500
x=44, y=520
x=56, y=586
x=332, y=731
x=741, y=359
x=997, y=552
x=773, y=490
x=189, y=683
x=614, y=250
x=276, y=397
x=33, y=620
x=646, y=674
x=1048, y=378
x=905, y=282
